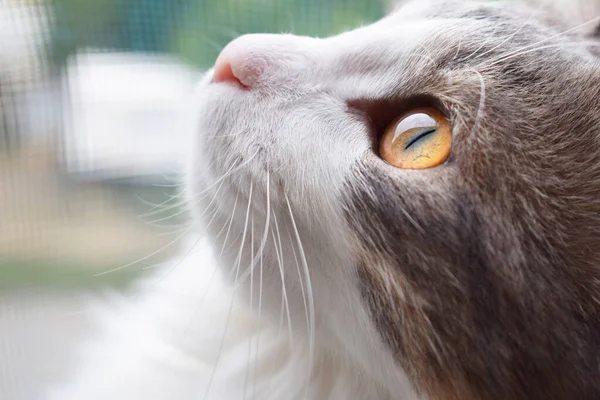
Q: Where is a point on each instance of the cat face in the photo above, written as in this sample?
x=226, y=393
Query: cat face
x=477, y=278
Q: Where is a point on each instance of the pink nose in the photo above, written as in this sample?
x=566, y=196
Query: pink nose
x=230, y=64
x=223, y=71
x=241, y=62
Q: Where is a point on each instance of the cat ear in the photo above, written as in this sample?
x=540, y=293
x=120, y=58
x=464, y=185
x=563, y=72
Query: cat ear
x=583, y=15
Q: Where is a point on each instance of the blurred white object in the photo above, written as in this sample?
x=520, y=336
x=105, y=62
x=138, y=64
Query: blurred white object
x=22, y=30
x=125, y=114
x=28, y=106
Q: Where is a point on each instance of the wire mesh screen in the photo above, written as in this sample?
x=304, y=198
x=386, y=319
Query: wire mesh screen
x=91, y=137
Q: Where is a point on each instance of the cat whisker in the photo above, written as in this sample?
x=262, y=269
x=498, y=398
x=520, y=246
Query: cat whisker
x=508, y=38
x=309, y=293
x=215, y=213
x=215, y=195
x=233, y=242
x=231, y=170
x=154, y=266
x=177, y=213
x=251, y=306
x=183, y=228
x=181, y=259
x=285, y=302
x=158, y=208
x=208, y=283
x=260, y=288
x=215, y=267
x=167, y=185
x=412, y=220
x=218, y=235
x=493, y=60
x=154, y=207
x=141, y=258
x=260, y=292
x=457, y=49
x=243, y=240
x=480, y=108
x=550, y=46
x=423, y=54
x=184, y=257
x=212, y=200
x=230, y=223
x=237, y=268
x=162, y=210
x=474, y=53
x=154, y=223
x=263, y=240
x=301, y=279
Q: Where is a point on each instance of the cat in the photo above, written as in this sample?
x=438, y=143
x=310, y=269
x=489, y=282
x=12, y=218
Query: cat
x=408, y=210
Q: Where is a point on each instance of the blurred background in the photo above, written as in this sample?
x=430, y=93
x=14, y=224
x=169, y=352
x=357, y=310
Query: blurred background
x=92, y=96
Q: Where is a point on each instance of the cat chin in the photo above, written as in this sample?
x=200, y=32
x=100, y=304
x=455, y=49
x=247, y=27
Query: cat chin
x=187, y=335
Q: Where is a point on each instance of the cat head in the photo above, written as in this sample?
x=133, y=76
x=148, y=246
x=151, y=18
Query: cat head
x=476, y=277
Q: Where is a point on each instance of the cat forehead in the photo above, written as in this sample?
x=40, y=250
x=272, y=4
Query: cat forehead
x=424, y=38
x=437, y=30
x=492, y=11
x=503, y=16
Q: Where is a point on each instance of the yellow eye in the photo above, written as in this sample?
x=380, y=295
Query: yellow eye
x=418, y=139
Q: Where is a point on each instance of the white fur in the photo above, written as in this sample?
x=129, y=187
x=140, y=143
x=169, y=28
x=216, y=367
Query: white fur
x=166, y=342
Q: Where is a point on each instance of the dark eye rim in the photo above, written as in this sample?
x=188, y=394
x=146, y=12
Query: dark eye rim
x=377, y=114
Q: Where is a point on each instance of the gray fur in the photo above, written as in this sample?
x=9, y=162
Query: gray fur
x=495, y=256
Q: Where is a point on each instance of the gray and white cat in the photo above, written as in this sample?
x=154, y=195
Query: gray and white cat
x=409, y=210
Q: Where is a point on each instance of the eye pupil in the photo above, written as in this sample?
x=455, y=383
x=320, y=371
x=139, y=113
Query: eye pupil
x=421, y=135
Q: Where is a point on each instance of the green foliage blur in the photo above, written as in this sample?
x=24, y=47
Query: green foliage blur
x=195, y=30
